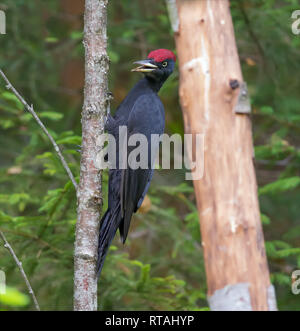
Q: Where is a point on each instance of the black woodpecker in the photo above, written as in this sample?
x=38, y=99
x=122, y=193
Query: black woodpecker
x=141, y=112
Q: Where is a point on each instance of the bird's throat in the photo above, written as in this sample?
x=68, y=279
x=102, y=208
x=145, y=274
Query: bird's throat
x=154, y=83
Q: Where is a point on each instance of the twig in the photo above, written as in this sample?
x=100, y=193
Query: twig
x=33, y=113
x=35, y=238
x=19, y=264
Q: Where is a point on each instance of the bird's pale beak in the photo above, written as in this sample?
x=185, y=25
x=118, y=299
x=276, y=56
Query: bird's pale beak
x=145, y=66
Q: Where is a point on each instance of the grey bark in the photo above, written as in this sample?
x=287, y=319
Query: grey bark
x=89, y=194
x=236, y=297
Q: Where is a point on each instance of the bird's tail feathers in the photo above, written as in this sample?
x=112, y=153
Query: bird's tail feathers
x=108, y=228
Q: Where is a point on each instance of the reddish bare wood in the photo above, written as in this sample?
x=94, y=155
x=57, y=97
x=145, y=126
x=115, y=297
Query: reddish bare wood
x=227, y=200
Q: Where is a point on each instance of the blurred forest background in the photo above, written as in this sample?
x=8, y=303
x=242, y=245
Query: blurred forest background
x=161, y=266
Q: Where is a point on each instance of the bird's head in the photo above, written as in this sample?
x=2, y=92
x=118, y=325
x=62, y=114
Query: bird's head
x=158, y=66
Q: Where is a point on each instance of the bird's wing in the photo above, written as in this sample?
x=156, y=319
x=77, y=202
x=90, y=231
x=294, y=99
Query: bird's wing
x=145, y=190
x=146, y=117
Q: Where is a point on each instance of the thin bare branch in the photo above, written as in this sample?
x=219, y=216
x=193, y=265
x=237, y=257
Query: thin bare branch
x=35, y=238
x=19, y=264
x=40, y=123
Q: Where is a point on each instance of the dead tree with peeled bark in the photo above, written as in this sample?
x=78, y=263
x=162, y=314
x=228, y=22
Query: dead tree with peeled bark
x=214, y=102
x=89, y=194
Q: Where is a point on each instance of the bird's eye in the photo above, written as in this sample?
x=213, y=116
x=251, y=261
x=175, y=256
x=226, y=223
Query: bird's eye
x=165, y=64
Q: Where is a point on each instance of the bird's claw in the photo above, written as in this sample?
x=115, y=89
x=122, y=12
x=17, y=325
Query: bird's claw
x=79, y=149
x=109, y=95
x=109, y=122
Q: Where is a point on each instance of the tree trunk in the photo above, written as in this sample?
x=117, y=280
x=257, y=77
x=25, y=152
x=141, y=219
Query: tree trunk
x=93, y=117
x=213, y=99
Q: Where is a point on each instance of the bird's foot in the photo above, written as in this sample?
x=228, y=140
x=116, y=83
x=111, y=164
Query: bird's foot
x=110, y=122
x=79, y=149
x=109, y=95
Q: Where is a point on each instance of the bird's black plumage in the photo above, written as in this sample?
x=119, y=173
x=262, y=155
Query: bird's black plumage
x=141, y=112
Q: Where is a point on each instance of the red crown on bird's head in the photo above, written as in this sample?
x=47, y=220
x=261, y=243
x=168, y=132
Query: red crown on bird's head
x=160, y=55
